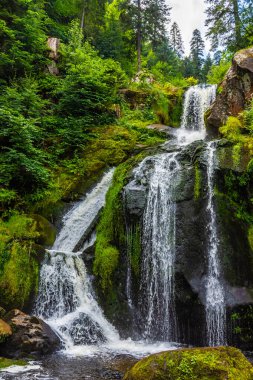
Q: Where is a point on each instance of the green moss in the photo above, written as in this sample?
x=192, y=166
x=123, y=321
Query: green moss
x=193, y=364
x=19, y=268
x=197, y=183
x=4, y=363
x=19, y=279
x=236, y=155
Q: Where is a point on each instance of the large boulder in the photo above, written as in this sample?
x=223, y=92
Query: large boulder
x=220, y=363
x=30, y=336
x=237, y=90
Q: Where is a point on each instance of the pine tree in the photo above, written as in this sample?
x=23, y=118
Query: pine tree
x=224, y=23
x=156, y=16
x=197, y=53
x=176, y=39
x=247, y=17
x=136, y=13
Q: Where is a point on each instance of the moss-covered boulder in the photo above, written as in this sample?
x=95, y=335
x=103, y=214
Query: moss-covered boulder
x=5, y=331
x=46, y=231
x=220, y=363
x=237, y=90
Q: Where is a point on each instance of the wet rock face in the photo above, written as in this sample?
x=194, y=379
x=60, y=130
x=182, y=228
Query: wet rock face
x=237, y=90
x=192, y=241
x=30, y=336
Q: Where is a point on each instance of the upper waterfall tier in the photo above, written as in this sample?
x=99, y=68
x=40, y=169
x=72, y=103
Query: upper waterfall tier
x=197, y=101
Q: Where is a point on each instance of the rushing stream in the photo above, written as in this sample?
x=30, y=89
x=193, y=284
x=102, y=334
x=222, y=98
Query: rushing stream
x=66, y=299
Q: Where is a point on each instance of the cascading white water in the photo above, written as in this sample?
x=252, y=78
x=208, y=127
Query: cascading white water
x=197, y=100
x=82, y=216
x=65, y=297
x=158, y=247
x=66, y=300
x=215, y=296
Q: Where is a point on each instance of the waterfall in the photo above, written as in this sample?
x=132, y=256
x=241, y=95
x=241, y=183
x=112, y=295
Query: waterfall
x=161, y=175
x=65, y=296
x=215, y=297
x=80, y=220
x=197, y=101
x=158, y=247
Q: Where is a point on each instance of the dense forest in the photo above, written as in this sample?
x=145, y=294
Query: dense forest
x=80, y=82
x=48, y=120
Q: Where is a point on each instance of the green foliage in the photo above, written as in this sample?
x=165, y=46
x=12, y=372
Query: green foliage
x=229, y=23
x=217, y=72
x=22, y=164
x=22, y=37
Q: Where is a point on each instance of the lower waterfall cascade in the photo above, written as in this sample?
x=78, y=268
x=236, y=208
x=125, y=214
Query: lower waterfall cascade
x=66, y=297
x=215, y=302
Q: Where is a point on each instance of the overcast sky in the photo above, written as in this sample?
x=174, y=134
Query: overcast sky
x=189, y=14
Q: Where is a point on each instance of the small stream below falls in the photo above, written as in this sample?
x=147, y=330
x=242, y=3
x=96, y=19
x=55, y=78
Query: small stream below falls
x=91, y=346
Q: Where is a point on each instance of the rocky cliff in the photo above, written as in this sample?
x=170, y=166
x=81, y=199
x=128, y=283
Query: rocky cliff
x=236, y=91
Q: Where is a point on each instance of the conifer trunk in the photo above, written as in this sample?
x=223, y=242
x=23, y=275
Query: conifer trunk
x=139, y=35
x=238, y=35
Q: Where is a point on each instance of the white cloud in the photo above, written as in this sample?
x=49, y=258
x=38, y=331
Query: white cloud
x=189, y=14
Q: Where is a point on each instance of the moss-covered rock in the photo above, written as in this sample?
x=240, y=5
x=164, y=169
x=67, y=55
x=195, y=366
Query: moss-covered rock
x=220, y=363
x=19, y=278
x=5, y=331
x=47, y=232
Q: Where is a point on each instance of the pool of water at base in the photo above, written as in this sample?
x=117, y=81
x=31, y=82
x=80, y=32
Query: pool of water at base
x=62, y=367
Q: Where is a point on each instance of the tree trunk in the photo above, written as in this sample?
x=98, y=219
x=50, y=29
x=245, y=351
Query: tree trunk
x=83, y=15
x=139, y=34
x=238, y=35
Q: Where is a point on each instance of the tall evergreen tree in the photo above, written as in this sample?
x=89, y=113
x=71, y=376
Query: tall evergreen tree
x=156, y=18
x=197, y=53
x=247, y=17
x=224, y=23
x=176, y=39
